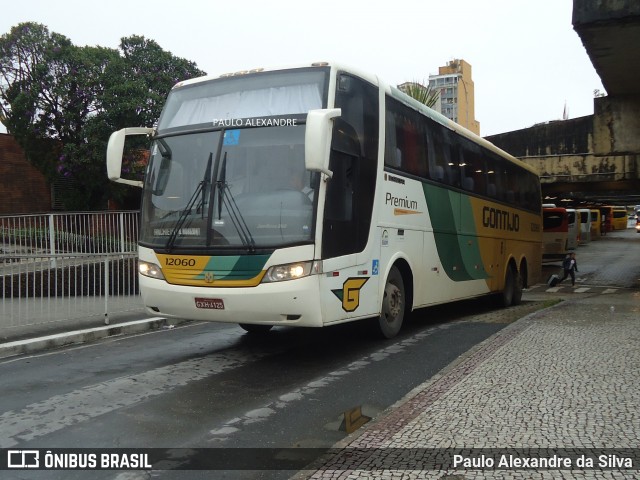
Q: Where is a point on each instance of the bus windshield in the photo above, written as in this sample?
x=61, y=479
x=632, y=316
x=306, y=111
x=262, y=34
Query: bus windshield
x=554, y=220
x=227, y=165
x=250, y=192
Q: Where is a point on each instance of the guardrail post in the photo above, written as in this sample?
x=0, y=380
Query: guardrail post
x=52, y=240
x=106, y=290
x=121, y=225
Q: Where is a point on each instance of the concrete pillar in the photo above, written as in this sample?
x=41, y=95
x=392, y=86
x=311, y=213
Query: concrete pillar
x=616, y=125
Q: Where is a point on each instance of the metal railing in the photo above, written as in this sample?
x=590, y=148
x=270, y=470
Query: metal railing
x=59, y=267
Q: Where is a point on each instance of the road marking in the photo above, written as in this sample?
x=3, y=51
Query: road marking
x=581, y=290
x=234, y=425
x=592, y=289
x=61, y=411
x=84, y=404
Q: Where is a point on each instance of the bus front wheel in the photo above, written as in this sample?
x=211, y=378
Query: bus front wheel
x=393, y=305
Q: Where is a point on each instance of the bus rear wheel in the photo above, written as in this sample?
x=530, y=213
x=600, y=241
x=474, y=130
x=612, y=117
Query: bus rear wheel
x=255, y=328
x=512, y=292
x=517, y=292
x=393, y=305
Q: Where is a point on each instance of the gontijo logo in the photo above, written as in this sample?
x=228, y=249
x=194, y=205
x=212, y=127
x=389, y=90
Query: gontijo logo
x=350, y=293
x=500, y=219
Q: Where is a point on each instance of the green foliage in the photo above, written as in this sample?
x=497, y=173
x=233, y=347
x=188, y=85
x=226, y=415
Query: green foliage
x=61, y=102
x=30, y=60
x=426, y=95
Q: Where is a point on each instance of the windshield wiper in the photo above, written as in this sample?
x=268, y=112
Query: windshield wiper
x=200, y=189
x=165, y=151
x=206, y=181
x=226, y=197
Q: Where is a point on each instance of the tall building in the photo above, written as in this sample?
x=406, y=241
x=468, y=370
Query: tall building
x=457, y=98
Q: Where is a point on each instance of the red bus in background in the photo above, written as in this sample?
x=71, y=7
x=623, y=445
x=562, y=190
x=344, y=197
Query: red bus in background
x=606, y=219
x=555, y=237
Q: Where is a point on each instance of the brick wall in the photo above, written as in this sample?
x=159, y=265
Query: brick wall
x=23, y=189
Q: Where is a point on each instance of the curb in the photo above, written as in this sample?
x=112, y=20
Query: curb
x=49, y=342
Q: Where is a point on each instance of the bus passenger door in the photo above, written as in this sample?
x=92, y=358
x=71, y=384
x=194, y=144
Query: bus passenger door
x=349, y=282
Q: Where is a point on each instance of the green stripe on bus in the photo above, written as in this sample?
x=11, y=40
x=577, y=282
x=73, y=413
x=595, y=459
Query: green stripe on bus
x=459, y=254
x=235, y=267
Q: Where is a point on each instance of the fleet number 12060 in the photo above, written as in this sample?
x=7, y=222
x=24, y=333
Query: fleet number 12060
x=179, y=262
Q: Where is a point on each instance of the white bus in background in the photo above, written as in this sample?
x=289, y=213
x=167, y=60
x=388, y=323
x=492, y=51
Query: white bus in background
x=317, y=195
x=584, y=215
x=573, y=238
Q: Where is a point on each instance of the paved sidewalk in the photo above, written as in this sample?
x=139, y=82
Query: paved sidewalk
x=564, y=379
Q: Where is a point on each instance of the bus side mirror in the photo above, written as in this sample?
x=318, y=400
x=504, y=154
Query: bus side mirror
x=115, y=150
x=317, y=139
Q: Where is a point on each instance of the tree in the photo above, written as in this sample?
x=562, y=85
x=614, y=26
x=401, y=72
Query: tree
x=32, y=100
x=134, y=87
x=424, y=94
x=61, y=102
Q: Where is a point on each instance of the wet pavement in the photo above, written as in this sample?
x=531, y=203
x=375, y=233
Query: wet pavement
x=555, y=385
x=552, y=395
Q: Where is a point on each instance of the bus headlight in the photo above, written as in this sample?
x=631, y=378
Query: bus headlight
x=292, y=271
x=150, y=270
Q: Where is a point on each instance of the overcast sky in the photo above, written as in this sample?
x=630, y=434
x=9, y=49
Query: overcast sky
x=527, y=61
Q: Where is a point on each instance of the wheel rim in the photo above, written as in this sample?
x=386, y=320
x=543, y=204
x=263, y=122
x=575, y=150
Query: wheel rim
x=393, y=303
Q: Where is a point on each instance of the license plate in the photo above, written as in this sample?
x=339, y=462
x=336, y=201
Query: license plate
x=210, y=303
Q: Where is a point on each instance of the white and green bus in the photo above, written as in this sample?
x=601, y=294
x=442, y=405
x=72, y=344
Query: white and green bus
x=317, y=195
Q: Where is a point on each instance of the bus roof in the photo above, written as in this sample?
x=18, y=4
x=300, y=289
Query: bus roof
x=389, y=90
x=451, y=125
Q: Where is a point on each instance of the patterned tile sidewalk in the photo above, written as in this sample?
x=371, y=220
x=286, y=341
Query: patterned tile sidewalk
x=563, y=379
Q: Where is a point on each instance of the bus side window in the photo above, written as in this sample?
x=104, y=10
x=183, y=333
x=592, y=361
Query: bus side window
x=443, y=155
x=495, y=177
x=473, y=167
x=406, y=140
x=411, y=140
x=451, y=155
x=439, y=168
x=392, y=152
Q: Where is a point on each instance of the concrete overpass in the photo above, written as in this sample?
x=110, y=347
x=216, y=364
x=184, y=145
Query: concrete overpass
x=594, y=158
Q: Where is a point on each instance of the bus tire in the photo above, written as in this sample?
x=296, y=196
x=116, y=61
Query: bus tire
x=256, y=329
x=512, y=292
x=517, y=291
x=393, y=305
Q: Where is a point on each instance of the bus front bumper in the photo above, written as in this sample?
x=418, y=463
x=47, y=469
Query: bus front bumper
x=292, y=303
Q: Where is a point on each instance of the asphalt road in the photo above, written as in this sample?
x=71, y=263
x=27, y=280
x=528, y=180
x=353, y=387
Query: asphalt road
x=612, y=260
